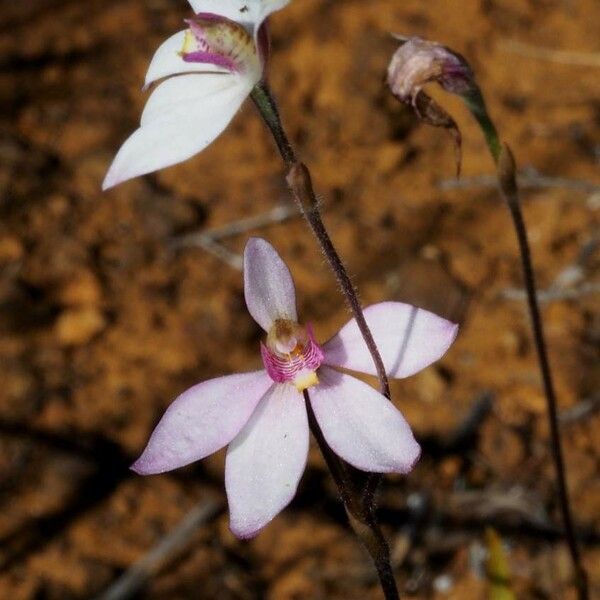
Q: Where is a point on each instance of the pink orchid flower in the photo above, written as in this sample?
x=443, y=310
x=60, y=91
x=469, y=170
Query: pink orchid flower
x=209, y=70
x=262, y=415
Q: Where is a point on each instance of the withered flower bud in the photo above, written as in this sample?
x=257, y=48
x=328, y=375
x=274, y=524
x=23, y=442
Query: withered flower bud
x=418, y=62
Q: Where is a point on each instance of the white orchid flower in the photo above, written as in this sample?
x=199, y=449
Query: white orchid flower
x=261, y=416
x=208, y=70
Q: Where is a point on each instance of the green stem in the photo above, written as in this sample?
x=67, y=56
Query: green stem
x=264, y=101
x=476, y=104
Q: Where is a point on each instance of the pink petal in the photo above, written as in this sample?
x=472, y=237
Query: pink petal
x=201, y=421
x=409, y=339
x=268, y=284
x=266, y=460
x=361, y=425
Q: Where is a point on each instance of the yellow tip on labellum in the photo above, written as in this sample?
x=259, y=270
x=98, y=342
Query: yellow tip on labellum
x=189, y=43
x=306, y=380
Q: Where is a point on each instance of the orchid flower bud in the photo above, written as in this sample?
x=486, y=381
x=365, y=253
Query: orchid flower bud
x=418, y=62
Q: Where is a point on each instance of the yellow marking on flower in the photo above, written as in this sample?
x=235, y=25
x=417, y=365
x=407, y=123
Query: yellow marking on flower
x=291, y=354
x=224, y=39
x=306, y=380
x=190, y=44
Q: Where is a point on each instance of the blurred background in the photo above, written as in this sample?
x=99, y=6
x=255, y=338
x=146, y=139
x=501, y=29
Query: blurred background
x=109, y=309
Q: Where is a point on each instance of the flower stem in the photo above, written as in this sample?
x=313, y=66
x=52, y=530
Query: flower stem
x=360, y=516
x=505, y=164
x=267, y=107
x=300, y=183
x=508, y=187
x=358, y=498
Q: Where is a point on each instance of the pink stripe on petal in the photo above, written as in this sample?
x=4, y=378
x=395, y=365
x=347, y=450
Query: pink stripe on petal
x=211, y=58
x=266, y=460
x=201, y=421
x=212, y=36
x=409, y=339
x=268, y=284
x=167, y=61
x=211, y=17
x=362, y=426
x=286, y=368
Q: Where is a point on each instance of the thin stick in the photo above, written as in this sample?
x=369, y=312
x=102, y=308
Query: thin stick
x=554, y=294
x=210, y=239
x=525, y=180
x=234, y=260
x=565, y=57
x=581, y=410
x=133, y=580
x=509, y=190
x=570, y=282
x=276, y=215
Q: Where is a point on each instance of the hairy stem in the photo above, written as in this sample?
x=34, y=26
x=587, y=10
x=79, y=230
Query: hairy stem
x=300, y=183
x=358, y=498
x=361, y=517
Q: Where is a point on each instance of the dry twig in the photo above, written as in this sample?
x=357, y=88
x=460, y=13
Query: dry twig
x=133, y=580
x=210, y=240
x=528, y=179
x=565, y=57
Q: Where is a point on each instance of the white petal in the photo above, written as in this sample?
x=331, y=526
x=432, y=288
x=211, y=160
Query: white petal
x=175, y=126
x=194, y=94
x=250, y=13
x=167, y=61
x=242, y=11
x=408, y=338
x=202, y=420
x=268, y=284
x=268, y=7
x=266, y=460
x=361, y=425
